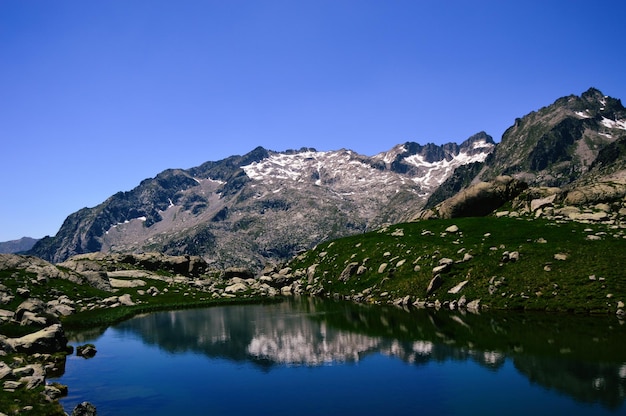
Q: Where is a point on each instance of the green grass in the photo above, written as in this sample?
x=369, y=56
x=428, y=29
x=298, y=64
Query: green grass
x=524, y=284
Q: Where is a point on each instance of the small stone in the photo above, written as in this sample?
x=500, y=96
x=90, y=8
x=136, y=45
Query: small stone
x=560, y=256
x=452, y=229
x=434, y=284
x=456, y=289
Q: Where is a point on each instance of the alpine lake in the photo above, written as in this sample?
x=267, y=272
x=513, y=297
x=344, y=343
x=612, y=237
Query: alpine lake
x=311, y=356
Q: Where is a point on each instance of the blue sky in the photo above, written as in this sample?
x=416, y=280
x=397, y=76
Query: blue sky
x=96, y=96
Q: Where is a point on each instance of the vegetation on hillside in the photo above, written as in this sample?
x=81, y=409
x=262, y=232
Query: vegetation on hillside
x=508, y=263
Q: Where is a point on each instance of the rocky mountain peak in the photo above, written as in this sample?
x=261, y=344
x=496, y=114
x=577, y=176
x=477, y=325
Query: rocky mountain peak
x=556, y=144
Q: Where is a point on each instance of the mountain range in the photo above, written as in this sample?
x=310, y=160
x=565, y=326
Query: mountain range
x=16, y=246
x=266, y=206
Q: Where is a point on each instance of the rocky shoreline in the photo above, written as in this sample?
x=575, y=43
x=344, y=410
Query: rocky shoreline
x=37, y=297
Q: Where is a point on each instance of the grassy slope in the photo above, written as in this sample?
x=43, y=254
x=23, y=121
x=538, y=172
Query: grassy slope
x=522, y=285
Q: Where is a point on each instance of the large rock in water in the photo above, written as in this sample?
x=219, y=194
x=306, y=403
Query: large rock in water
x=481, y=199
x=84, y=409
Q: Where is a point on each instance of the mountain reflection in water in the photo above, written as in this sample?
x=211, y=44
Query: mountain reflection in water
x=579, y=356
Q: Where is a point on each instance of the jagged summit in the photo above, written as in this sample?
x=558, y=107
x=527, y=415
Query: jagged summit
x=556, y=144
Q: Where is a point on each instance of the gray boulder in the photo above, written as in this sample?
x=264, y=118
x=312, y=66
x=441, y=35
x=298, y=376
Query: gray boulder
x=84, y=409
x=348, y=271
x=48, y=340
x=434, y=284
x=482, y=198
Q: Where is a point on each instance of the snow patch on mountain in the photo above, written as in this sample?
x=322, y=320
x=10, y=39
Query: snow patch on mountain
x=613, y=124
x=345, y=171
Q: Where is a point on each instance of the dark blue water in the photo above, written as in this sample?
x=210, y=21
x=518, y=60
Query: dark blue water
x=316, y=357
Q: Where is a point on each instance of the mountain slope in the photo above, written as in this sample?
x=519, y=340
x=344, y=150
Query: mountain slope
x=263, y=206
x=574, y=142
x=558, y=143
x=16, y=246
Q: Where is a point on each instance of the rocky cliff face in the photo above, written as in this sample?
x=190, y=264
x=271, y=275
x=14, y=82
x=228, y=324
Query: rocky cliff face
x=571, y=145
x=557, y=144
x=263, y=206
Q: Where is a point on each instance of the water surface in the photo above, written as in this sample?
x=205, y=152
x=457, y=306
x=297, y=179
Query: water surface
x=311, y=357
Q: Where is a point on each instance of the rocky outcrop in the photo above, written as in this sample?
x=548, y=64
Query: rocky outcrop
x=478, y=200
x=48, y=340
x=84, y=409
x=90, y=263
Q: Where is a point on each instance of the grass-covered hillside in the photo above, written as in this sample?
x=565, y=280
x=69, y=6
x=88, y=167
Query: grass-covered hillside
x=512, y=263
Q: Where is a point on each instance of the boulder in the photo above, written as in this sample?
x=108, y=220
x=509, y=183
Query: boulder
x=48, y=340
x=60, y=309
x=536, y=204
x=599, y=192
x=310, y=273
x=29, y=318
x=444, y=268
x=31, y=376
x=236, y=288
x=97, y=279
x=35, y=306
x=52, y=393
x=126, y=300
x=434, y=284
x=23, y=292
x=348, y=271
x=473, y=306
x=452, y=229
x=86, y=351
x=5, y=370
x=6, y=315
x=84, y=409
x=482, y=198
x=456, y=289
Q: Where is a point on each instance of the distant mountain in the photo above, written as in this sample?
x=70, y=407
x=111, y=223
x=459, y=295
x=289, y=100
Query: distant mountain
x=264, y=206
x=17, y=246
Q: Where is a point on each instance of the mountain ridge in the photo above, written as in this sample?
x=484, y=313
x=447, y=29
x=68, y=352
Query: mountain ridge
x=264, y=195
x=266, y=206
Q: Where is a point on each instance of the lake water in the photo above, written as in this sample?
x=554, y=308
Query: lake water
x=314, y=357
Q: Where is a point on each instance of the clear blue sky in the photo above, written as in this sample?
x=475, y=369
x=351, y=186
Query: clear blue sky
x=96, y=96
